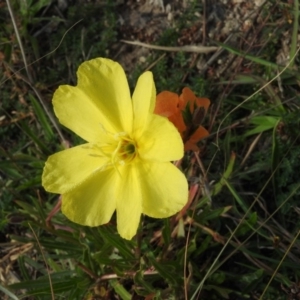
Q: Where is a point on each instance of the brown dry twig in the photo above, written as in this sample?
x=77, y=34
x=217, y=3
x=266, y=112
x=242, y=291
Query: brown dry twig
x=189, y=48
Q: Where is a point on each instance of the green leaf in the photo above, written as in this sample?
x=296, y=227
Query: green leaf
x=35, y=7
x=165, y=270
x=240, y=79
x=208, y=214
x=34, y=137
x=120, y=290
x=263, y=123
x=224, y=292
x=218, y=186
x=142, y=284
x=248, y=224
x=116, y=241
x=250, y=277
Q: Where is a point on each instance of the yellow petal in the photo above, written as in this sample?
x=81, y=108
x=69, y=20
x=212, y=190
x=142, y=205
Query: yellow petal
x=94, y=201
x=65, y=170
x=143, y=100
x=100, y=102
x=129, y=202
x=164, y=188
x=160, y=141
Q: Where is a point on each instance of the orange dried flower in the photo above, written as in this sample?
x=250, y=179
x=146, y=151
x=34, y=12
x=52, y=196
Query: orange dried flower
x=171, y=105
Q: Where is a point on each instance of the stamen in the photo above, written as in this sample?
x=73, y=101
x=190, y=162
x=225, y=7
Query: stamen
x=119, y=149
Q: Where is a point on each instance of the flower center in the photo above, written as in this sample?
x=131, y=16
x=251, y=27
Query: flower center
x=119, y=149
x=125, y=151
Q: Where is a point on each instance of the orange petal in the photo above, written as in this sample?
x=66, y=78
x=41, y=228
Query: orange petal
x=181, y=103
x=198, y=135
x=189, y=146
x=178, y=122
x=166, y=104
x=203, y=102
x=187, y=96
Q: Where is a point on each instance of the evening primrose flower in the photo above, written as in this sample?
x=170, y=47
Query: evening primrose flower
x=125, y=164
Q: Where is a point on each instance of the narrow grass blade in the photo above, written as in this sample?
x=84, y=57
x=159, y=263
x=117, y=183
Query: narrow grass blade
x=295, y=33
x=260, y=61
x=8, y=293
x=120, y=290
x=227, y=173
x=238, y=199
x=34, y=137
x=43, y=119
x=117, y=242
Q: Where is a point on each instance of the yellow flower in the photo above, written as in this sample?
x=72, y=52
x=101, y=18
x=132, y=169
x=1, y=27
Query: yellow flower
x=125, y=163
